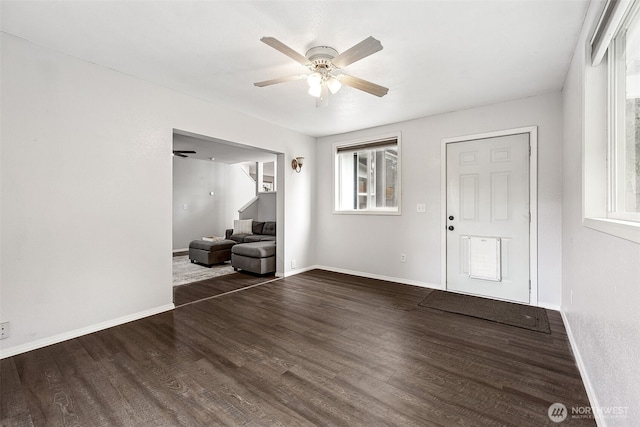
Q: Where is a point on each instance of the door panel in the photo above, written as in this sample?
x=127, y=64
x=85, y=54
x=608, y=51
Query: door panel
x=500, y=196
x=468, y=197
x=488, y=199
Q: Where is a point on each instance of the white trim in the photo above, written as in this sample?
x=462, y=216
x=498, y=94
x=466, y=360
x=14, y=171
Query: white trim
x=377, y=211
x=616, y=97
x=582, y=368
x=632, y=217
x=33, y=345
x=615, y=11
x=597, y=151
x=379, y=277
x=624, y=229
x=549, y=306
x=180, y=250
x=595, y=122
x=249, y=203
x=295, y=271
x=533, y=200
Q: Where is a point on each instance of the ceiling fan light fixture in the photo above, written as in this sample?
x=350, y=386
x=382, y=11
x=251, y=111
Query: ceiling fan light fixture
x=316, y=90
x=334, y=84
x=323, y=99
x=314, y=79
x=324, y=92
x=322, y=62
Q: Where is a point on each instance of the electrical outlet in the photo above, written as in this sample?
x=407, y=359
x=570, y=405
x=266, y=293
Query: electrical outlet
x=293, y=263
x=403, y=258
x=421, y=208
x=4, y=330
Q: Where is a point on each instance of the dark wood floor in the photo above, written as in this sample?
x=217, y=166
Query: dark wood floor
x=197, y=291
x=318, y=348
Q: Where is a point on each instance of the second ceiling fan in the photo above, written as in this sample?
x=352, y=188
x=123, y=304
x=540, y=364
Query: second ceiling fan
x=325, y=65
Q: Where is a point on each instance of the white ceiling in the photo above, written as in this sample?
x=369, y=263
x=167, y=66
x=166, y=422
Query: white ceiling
x=222, y=151
x=438, y=56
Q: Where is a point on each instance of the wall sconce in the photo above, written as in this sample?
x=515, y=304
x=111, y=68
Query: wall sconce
x=296, y=163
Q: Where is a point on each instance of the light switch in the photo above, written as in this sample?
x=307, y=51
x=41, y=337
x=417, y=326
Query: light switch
x=421, y=207
x=184, y=207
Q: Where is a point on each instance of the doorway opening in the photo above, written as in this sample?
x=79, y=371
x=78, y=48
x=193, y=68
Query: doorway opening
x=216, y=183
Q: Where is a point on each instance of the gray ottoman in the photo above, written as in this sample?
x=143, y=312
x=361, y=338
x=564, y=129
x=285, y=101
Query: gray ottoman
x=257, y=257
x=209, y=253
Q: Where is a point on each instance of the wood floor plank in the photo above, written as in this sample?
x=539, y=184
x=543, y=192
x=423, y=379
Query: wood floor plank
x=318, y=348
x=197, y=291
x=13, y=403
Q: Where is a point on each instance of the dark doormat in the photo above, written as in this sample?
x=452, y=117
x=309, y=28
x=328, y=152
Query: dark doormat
x=521, y=316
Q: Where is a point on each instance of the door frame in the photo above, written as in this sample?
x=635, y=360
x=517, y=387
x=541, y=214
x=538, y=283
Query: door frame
x=532, y=131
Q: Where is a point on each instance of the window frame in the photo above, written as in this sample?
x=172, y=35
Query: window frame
x=336, y=179
x=616, y=139
x=597, y=125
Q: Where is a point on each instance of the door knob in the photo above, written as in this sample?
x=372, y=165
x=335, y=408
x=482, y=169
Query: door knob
x=450, y=228
x=450, y=217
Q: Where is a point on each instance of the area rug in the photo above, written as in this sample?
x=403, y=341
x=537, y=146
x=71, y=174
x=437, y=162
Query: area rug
x=184, y=271
x=521, y=316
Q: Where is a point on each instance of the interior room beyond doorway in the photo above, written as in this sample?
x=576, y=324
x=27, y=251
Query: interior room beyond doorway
x=215, y=183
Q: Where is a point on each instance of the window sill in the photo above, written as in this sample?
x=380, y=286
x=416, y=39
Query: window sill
x=628, y=230
x=369, y=212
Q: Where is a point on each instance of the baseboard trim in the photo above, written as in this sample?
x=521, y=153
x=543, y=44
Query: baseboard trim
x=299, y=270
x=380, y=277
x=549, y=306
x=34, y=345
x=591, y=393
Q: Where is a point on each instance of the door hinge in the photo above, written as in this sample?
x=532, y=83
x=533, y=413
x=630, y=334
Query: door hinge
x=529, y=151
x=529, y=285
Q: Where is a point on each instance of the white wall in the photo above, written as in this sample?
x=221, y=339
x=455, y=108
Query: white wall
x=263, y=207
x=206, y=215
x=237, y=199
x=601, y=273
x=86, y=192
x=372, y=244
x=267, y=206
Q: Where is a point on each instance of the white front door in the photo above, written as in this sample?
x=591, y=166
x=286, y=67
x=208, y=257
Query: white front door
x=488, y=217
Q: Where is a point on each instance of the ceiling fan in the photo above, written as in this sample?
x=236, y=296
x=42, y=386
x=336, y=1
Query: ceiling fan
x=325, y=65
x=183, y=153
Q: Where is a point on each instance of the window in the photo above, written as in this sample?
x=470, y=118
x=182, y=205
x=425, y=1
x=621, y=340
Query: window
x=611, y=120
x=624, y=138
x=367, y=176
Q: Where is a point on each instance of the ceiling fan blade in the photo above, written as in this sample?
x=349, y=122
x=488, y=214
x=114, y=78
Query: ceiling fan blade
x=278, y=45
x=363, y=85
x=182, y=153
x=363, y=49
x=280, y=80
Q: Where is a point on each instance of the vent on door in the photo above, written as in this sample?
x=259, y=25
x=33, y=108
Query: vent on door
x=484, y=258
